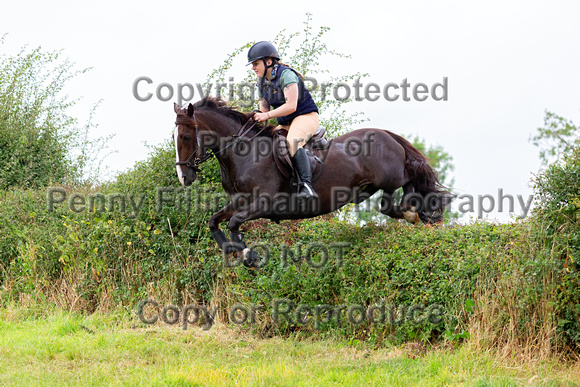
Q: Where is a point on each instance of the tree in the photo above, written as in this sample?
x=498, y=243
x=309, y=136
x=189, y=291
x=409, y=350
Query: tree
x=558, y=136
x=303, y=50
x=40, y=144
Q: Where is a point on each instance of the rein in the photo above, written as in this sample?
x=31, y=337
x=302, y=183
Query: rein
x=195, y=162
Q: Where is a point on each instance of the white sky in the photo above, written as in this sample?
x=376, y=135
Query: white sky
x=506, y=62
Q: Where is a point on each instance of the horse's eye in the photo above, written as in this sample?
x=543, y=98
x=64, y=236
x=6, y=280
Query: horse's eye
x=186, y=138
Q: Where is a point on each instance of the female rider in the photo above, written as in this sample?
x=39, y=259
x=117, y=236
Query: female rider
x=282, y=89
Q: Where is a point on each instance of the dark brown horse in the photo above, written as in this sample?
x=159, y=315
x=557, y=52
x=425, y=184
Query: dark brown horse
x=355, y=165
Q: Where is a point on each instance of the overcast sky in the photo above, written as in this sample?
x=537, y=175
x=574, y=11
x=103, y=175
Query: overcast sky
x=505, y=62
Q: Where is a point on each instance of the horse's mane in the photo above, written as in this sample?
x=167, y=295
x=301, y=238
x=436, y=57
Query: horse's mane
x=220, y=106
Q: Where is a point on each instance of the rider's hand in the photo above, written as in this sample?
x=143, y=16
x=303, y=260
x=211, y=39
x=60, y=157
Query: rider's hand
x=260, y=117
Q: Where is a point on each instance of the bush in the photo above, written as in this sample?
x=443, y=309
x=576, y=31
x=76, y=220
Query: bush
x=488, y=279
x=40, y=143
x=105, y=259
x=557, y=232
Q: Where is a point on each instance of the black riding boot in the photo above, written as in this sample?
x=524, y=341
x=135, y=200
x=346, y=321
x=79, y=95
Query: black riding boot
x=302, y=166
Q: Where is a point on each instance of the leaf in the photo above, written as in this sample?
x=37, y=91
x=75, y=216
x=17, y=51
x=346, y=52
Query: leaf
x=469, y=305
x=562, y=322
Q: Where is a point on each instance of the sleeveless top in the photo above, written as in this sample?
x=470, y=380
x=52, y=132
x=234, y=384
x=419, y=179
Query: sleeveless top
x=274, y=95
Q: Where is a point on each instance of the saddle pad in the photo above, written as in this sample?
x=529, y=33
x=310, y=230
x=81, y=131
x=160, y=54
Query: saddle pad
x=281, y=156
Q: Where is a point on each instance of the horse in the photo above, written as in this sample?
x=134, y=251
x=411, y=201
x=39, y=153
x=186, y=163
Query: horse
x=355, y=165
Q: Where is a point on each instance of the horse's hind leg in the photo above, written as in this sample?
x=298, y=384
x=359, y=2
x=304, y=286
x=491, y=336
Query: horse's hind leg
x=388, y=206
x=409, y=204
x=405, y=210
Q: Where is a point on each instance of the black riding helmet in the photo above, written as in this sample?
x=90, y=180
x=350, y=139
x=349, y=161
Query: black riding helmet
x=262, y=50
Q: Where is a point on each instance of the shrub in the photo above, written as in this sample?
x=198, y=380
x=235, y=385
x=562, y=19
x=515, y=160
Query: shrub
x=40, y=143
x=557, y=232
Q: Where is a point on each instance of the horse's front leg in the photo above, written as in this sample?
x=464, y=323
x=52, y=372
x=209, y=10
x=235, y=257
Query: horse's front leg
x=255, y=210
x=214, y=225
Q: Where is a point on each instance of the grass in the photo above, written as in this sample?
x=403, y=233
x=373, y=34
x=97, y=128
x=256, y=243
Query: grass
x=54, y=347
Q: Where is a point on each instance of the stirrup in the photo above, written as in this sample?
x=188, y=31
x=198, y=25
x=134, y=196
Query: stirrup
x=305, y=191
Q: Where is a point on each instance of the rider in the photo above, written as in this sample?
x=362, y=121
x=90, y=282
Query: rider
x=282, y=88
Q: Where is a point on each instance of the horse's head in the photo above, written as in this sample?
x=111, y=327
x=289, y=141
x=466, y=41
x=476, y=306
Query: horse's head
x=186, y=144
x=198, y=135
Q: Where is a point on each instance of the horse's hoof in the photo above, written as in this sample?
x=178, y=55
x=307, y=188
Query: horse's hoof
x=233, y=247
x=411, y=216
x=250, y=258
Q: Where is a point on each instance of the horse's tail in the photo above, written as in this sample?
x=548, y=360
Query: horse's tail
x=435, y=197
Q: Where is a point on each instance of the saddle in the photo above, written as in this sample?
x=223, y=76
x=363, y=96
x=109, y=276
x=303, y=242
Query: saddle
x=281, y=153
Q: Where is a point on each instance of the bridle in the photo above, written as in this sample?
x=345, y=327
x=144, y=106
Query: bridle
x=194, y=162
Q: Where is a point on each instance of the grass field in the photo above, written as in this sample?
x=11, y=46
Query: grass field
x=56, y=348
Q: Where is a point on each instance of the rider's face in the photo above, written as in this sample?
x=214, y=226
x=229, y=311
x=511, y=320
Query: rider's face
x=259, y=68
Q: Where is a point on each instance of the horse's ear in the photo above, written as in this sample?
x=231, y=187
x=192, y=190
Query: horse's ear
x=176, y=107
x=190, y=110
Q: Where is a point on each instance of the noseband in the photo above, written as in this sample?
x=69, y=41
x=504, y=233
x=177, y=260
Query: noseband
x=194, y=162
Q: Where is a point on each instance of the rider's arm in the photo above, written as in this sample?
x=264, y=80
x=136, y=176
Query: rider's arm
x=264, y=106
x=289, y=82
x=291, y=96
